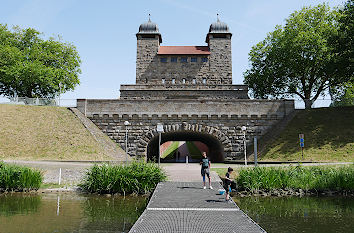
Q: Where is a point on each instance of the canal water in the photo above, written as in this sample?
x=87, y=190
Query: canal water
x=99, y=213
x=68, y=213
x=306, y=214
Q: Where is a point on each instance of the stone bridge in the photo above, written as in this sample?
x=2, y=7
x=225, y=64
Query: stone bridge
x=216, y=124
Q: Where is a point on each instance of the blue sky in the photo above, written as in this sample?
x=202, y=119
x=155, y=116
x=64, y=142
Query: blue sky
x=104, y=31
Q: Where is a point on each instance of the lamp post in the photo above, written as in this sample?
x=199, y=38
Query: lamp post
x=244, y=128
x=126, y=123
x=60, y=85
x=159, y=129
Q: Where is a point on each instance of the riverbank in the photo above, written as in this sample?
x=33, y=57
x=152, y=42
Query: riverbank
x=293, y=181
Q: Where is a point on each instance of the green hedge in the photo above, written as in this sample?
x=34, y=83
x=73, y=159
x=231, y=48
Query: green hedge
x=299, y=177
x=138, y=177
x=17, y=178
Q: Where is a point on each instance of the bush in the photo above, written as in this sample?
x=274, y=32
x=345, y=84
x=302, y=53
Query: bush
x=16, y=178
x=138, y=177
x=306, y=178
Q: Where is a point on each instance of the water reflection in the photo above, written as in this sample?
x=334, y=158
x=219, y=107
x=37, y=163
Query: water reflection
x=68, y=213
x=307, y=214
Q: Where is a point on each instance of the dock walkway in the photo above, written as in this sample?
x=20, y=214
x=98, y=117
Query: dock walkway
x=187, y=207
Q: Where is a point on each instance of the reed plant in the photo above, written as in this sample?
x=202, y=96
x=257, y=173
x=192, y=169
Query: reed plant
x=137, y=177
x=318, y=178
x=18, y=178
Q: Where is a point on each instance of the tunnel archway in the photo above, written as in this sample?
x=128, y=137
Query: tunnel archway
x=215, y=147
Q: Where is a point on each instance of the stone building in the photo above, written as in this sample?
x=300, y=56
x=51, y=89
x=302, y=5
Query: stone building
x=189, y=90
x=184, y=71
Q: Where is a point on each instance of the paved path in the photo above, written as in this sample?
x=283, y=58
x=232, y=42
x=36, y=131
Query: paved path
x=187, y=207
x=186, y=172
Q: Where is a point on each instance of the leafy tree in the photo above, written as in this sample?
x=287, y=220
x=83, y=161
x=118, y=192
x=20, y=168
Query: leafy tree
x=297, y=59
x=33, y=67
x=344, y=59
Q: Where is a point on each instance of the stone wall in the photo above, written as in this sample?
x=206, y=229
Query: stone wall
x=220, y=60
x=184, y=91
x=146, y=55
x=221, y=120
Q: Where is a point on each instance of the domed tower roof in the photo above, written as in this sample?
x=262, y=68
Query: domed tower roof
x=149, y=28
x=218, y=28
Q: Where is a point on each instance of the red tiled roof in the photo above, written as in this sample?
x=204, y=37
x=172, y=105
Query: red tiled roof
x=184, y=50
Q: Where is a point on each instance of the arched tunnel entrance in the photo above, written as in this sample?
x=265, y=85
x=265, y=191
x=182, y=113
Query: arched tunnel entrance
x=192, y=139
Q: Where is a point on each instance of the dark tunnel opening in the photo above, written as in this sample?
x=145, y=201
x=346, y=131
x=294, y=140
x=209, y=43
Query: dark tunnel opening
x=215, y=148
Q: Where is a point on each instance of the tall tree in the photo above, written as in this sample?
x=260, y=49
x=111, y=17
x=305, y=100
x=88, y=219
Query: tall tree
x=296, y=59
x=343, y=43
x=31, y=66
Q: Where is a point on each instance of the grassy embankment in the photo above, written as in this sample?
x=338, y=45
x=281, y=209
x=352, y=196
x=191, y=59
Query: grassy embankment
x=42, y=133
x=137, y=177
x=16, y=178
x=319, y=178
x=328, y=133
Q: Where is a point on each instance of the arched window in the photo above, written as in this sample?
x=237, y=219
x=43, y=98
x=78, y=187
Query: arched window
x=194, y=81
x=184, y=81
x=163, y=81
x=173, y=81
x=204, y=80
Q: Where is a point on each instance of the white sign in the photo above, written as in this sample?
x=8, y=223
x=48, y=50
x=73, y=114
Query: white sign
x=159, y=128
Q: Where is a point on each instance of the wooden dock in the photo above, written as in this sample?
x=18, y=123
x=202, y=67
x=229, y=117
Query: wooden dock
x=187, y=207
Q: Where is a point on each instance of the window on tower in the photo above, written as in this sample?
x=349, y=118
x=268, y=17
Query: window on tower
x=204, y=80
x=184, y=59
x=173, y=81
x=184, y=81
x=163, y=81
x=194, y=81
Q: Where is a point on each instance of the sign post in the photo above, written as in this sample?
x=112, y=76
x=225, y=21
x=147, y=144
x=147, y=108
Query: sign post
x=302, y=144
x=159, y=129
x=255, y=151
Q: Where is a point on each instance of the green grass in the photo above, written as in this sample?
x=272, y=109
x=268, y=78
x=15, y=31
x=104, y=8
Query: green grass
x=338, y=178
x=43, y=132
x=169, y=153
x=193, y=150
x=138, y=177
x=329, y=136
x=16, y=178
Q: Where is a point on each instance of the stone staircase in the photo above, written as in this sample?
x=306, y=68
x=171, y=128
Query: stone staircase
x=109, y=146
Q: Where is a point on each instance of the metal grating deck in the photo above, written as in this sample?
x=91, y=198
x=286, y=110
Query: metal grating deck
x=187, y=207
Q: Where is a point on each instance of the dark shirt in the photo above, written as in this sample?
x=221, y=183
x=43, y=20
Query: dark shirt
x=227, y=182
x=205, y=162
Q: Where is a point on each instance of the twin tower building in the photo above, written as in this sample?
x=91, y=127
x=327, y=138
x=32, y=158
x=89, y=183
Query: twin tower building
x=184, y=71
x=189, y=90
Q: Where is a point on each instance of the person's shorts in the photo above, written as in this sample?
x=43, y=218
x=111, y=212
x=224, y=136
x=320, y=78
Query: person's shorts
x=205, y=171
x=227, y=188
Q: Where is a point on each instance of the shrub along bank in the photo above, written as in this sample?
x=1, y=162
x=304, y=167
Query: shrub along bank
x=138, y=177
x=16, y=178
x=306, y=179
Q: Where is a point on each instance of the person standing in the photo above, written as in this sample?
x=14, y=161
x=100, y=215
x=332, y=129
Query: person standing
x=205, y=162
x=227, y=184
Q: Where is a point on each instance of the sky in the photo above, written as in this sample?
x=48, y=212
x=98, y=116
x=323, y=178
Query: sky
x=104, y=31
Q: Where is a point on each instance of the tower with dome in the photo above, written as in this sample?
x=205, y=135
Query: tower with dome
x=184, y=71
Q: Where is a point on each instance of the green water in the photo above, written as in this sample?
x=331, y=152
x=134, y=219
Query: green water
x=94, y=213
x=306, y=214
x=68, y=213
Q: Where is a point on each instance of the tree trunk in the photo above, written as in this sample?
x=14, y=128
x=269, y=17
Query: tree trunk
x=308, y=103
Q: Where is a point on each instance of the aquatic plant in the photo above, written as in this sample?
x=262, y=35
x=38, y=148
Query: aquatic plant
x=298, y=177
x=137, y=177
x=18, y=178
